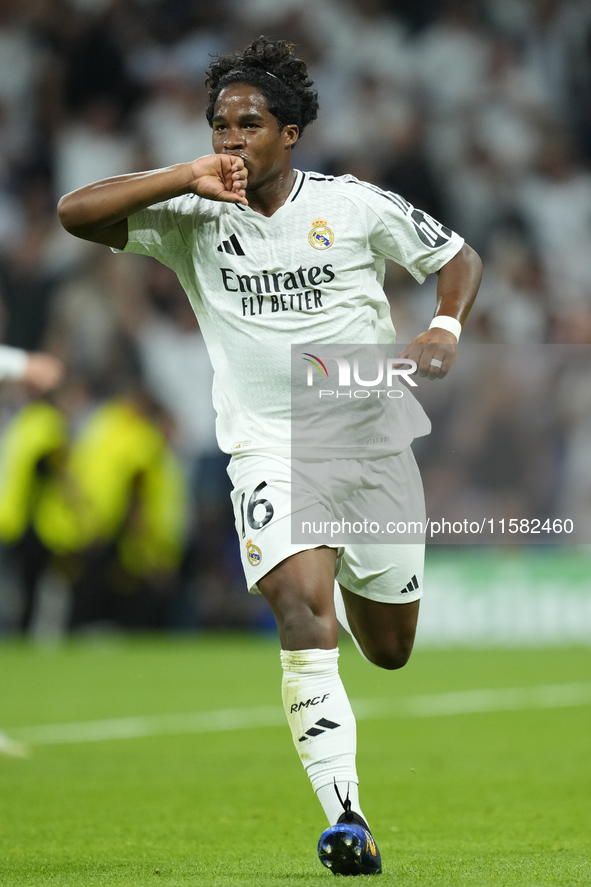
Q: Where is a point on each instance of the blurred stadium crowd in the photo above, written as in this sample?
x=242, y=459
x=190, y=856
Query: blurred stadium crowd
x=478, y=112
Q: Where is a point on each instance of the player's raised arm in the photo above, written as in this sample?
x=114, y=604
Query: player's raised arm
x=98, y=212
x=436, y=350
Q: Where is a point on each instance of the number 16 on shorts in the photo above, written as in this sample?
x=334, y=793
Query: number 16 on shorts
x=254, y=509
x=259, y=512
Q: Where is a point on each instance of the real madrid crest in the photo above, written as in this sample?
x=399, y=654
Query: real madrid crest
x=253, y=553
x=320, y=237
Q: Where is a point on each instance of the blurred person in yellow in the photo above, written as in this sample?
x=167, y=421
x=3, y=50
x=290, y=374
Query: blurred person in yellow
x=33, y=452
x=121, y=505
x=33, y=448
x=106, y=510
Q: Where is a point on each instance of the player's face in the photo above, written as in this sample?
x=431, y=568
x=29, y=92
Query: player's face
x=243, y=125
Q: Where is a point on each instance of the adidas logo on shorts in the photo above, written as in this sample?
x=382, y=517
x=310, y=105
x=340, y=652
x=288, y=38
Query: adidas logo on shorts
x=412, y=586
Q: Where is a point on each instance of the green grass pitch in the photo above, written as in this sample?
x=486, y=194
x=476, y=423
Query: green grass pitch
x=482, y=798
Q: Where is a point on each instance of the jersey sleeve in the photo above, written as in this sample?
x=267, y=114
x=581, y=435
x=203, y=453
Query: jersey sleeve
x=13, y=362
x=410, y=237
x=164, y=231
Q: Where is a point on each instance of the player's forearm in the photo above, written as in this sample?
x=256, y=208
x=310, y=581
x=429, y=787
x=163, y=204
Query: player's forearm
x=458, y=284
x=43, y=371
x=436, y=349
x=91, y=211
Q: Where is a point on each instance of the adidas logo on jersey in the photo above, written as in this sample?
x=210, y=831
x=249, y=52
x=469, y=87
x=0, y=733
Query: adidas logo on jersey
x=231, y=246
x=412, y=586
x=315, y=731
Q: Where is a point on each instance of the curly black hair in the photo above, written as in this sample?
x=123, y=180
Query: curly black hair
x=281, y=77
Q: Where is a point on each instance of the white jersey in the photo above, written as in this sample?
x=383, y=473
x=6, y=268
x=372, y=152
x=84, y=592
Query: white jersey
x=311, y=273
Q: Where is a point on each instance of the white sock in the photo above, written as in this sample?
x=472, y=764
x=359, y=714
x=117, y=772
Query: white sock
x=341, y=612
x=322, y=725
x=330, y=800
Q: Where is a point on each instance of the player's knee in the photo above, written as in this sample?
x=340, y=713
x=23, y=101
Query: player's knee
x=303, y=615
x=388, y=661
x=304, y=619
x=391, y=656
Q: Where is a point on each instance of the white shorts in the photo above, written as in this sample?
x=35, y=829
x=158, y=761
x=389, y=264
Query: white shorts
x=389, y=573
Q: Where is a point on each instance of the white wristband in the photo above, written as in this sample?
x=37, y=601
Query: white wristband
x=13, y=362
x=444, y=322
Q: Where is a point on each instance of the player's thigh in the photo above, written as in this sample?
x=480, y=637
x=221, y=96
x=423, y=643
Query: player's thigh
x=382, y=586
x=261, y=498
x=385, y=632
x=296, y=579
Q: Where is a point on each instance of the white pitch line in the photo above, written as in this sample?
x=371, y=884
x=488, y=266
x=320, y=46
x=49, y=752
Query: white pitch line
x=10, y=747
x=473, y=701
x=424, y=706
x=152, y=725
